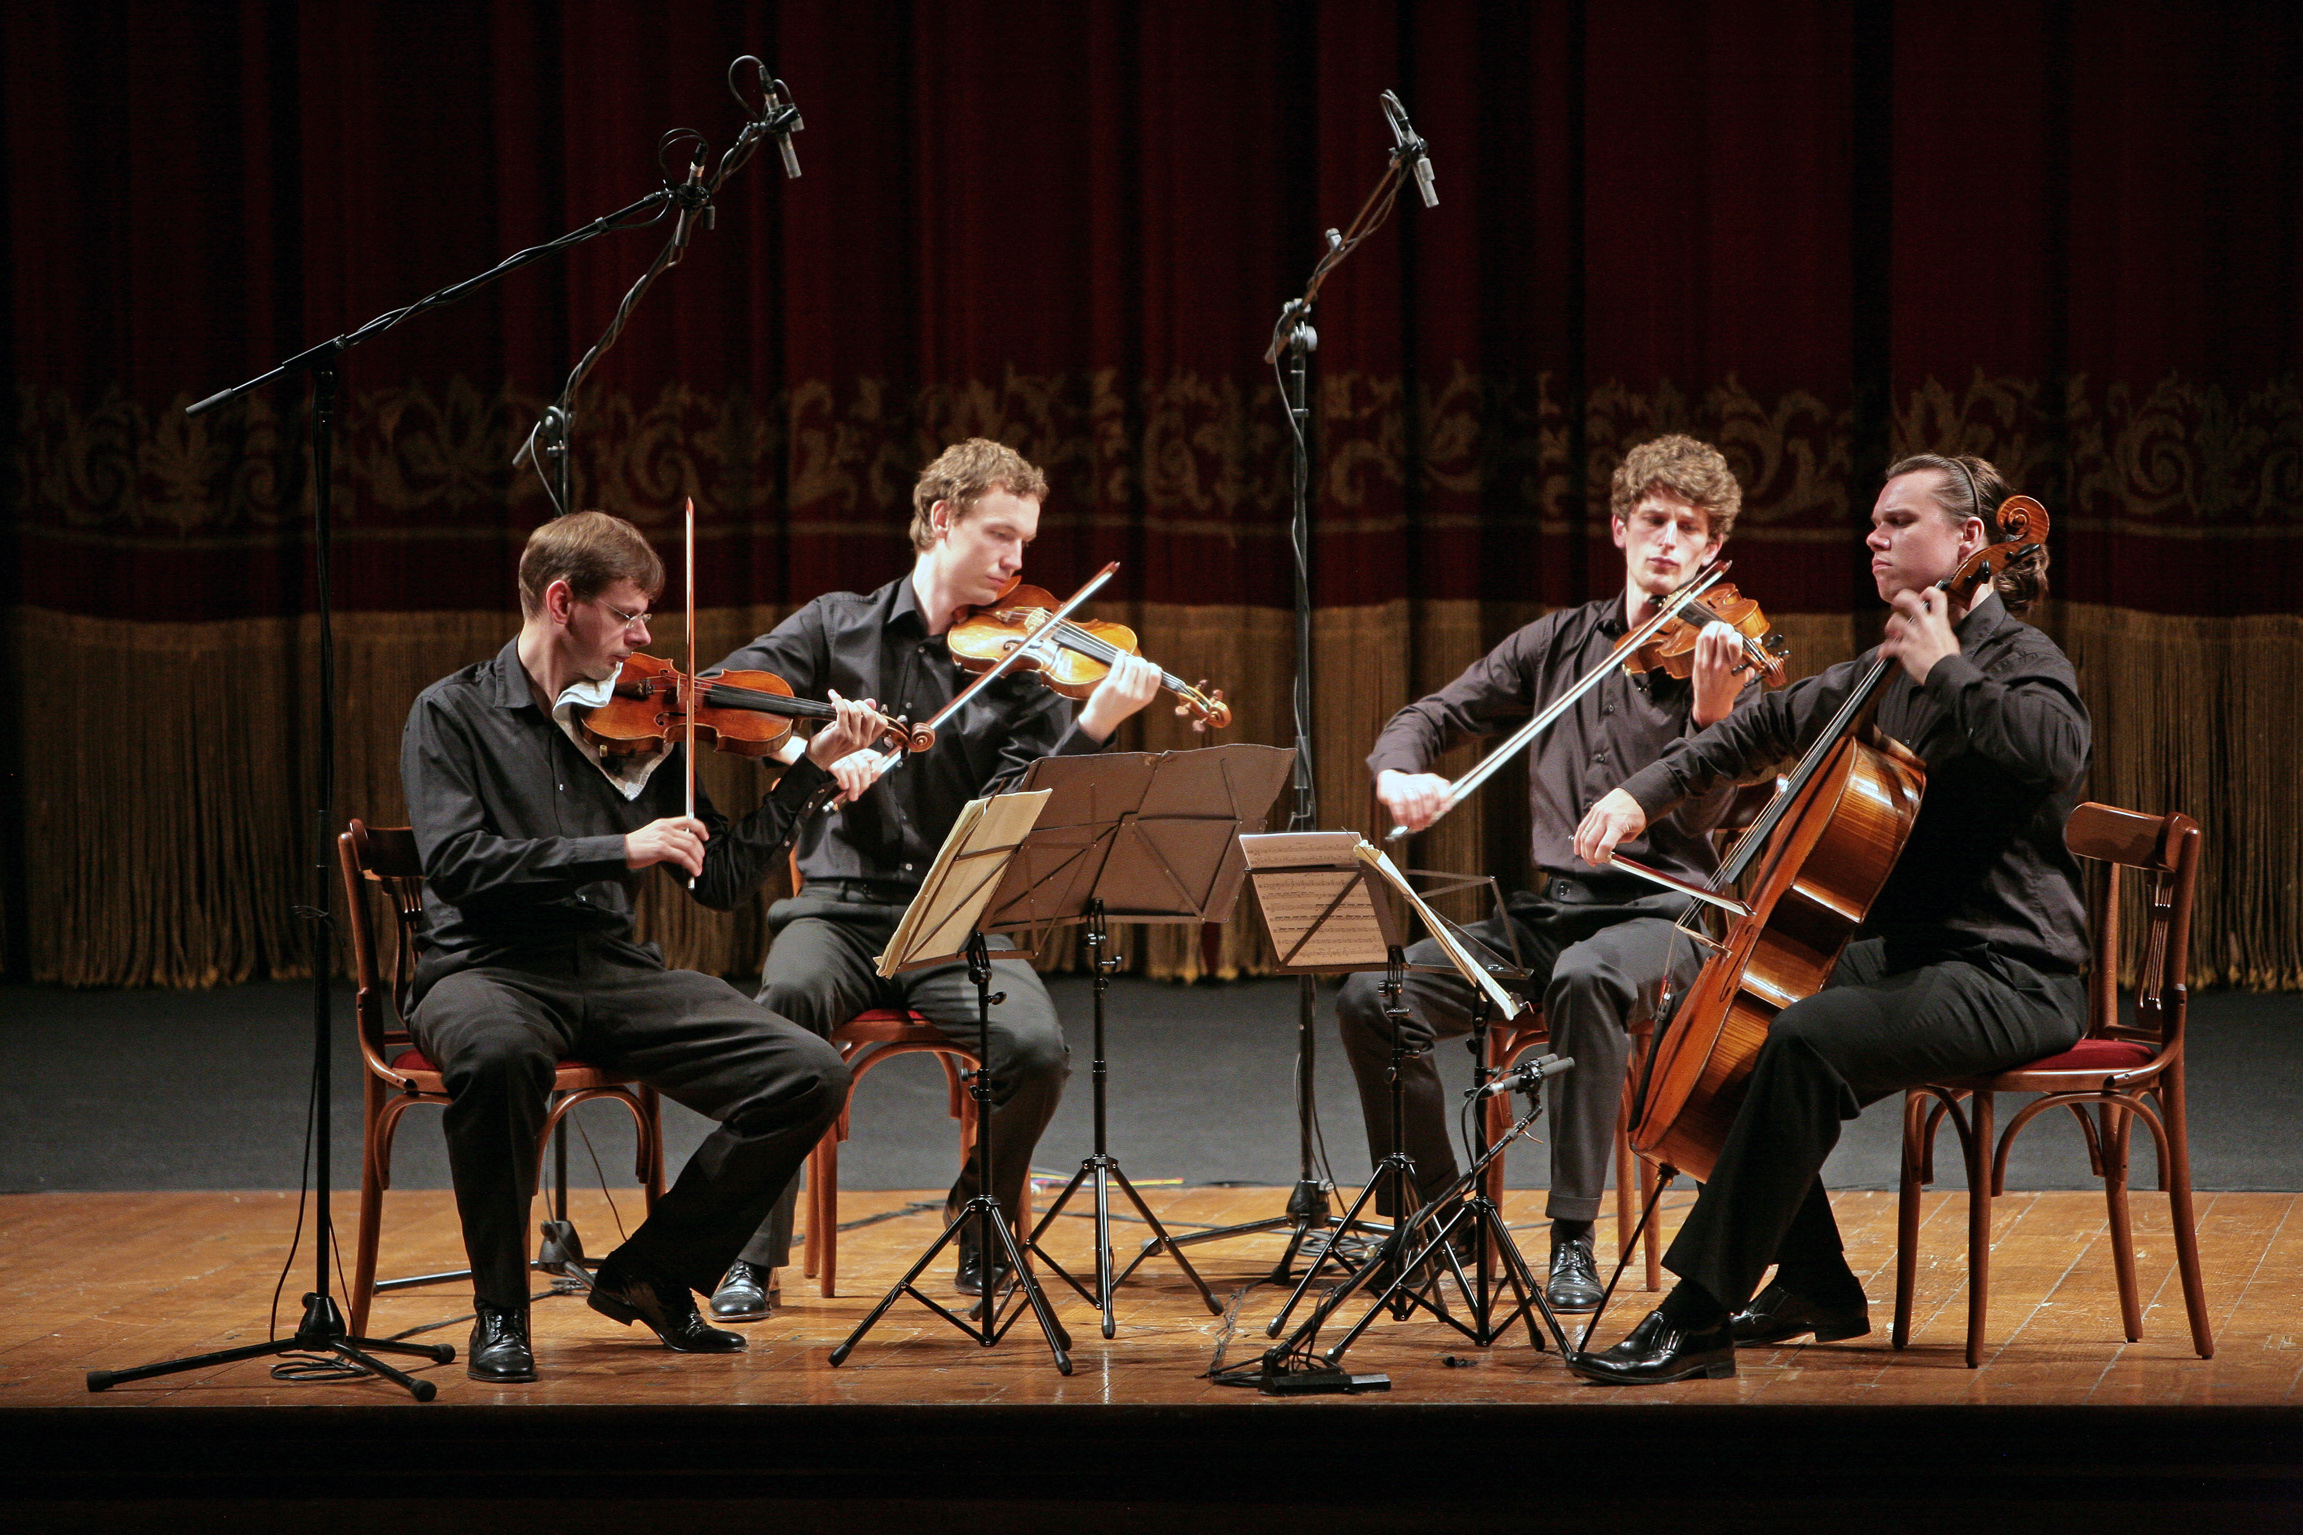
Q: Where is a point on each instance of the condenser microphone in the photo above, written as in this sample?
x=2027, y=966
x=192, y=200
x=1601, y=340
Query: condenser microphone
x=782, y=116
x=1527, y=1076
x=1411, y=152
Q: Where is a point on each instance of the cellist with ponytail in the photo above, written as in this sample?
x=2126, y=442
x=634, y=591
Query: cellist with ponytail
x=1968, y=961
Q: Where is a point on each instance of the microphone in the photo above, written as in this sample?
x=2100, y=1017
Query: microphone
x=781, y=115
x=1525, y=1077
x=1408, y=150
x=690, y=195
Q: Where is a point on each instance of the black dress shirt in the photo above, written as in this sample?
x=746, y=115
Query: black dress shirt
x=1619, y=726
x=878, y=646
x=2006, y=741
x=522, y=835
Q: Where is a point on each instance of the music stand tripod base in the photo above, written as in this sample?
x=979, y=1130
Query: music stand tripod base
x=1139, y=838
x=945, y=916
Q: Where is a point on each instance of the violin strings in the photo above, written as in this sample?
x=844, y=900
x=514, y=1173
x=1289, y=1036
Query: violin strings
x=1103, y=650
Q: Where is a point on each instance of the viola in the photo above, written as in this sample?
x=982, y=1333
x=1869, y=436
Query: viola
x=1818, y=856
x=1640, y=649
x=1672, y=647
x=746, y=713
x=1071, y=656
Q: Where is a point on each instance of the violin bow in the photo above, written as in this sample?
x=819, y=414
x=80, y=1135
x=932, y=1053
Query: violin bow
x=1463, y=787
x=882, y=761
x=689, y=580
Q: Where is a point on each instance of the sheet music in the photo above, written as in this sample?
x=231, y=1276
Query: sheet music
x=960, y=883
x=1290, y=849
x=1320, y=917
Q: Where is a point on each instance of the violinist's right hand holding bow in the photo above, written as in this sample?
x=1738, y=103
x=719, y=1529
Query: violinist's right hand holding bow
x=1616, y=819
x=1415, y=800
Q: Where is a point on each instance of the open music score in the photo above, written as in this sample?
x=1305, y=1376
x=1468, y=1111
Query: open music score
x=1317, y=905
x=1318, y=893
x=959, y=885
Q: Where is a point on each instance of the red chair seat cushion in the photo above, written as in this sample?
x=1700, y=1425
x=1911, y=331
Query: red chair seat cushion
x=2105, y=1055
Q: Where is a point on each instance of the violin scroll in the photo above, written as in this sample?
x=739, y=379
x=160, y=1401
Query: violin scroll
x=1204, y=707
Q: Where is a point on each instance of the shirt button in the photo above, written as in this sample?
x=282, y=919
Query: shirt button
x=907, y=868
x=1599, y=757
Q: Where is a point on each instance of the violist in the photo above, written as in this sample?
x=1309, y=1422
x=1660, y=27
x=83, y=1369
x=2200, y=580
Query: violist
x=1594, y=941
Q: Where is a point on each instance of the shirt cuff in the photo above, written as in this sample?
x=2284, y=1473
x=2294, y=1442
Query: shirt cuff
x=1076, y=742
x=801, y=779
x=1381, y=762
x=1655, y=788
x=596, y=858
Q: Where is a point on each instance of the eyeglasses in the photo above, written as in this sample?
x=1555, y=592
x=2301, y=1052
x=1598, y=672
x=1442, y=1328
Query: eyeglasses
x=630, y=620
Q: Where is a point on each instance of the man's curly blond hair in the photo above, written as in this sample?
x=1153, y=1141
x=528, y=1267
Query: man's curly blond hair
x=964, y=474
x=1690, y=469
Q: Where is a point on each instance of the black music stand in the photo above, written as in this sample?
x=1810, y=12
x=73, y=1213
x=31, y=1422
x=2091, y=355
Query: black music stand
x=1292, y=1369
x=1324, y=904
x=1131, y=837
x=945, y=919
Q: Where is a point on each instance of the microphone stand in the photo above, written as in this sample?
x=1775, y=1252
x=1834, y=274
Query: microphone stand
x=322, y=1329
x=1293, y=340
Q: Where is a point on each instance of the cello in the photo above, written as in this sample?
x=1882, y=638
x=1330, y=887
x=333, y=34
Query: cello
x=1822, y=850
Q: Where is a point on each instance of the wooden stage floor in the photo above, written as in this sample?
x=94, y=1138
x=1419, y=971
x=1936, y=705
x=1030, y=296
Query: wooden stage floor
x=116, y=1280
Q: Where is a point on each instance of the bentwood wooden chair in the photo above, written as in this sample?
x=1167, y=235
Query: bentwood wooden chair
x=1507, y=1043
x=1528, y=1034
x=2119, y=1073
x=866, y=1042
x=397, y=1075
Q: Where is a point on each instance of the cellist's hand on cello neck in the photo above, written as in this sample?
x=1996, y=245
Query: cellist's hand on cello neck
x=1919, y=631
x=1616, y=819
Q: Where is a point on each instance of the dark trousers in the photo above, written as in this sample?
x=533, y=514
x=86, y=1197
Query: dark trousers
x=820, y=973
x=1874, y=1031
x=497, y=1032
x=1594, y=966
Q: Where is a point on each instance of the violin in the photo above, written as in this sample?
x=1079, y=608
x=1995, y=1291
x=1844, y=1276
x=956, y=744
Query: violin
x=1071, y=656
x=1818, y=856
x=746, y=713
x=1672, y=647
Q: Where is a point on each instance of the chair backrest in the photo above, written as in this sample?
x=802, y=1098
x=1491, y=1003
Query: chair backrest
x=384, y=856
x=2164, y=852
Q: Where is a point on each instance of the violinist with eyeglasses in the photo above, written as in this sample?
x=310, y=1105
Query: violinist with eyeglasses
x=534, y=839
x=1596, y=942
x=975, y=510
x=1968, y=960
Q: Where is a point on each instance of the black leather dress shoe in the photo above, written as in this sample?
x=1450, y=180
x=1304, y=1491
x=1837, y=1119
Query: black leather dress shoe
x=499, y=1354
x=1776, y=1315
x=1574, y=1285
x=746, y=1294
x=1657, y=1353
x=968, y=1278
x=627, y=1296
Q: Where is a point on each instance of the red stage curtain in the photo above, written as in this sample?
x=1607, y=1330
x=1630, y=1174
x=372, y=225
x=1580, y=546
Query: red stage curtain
x=1820, y=235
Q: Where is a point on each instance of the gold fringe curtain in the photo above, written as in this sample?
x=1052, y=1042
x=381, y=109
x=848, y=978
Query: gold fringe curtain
x=170, y=849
